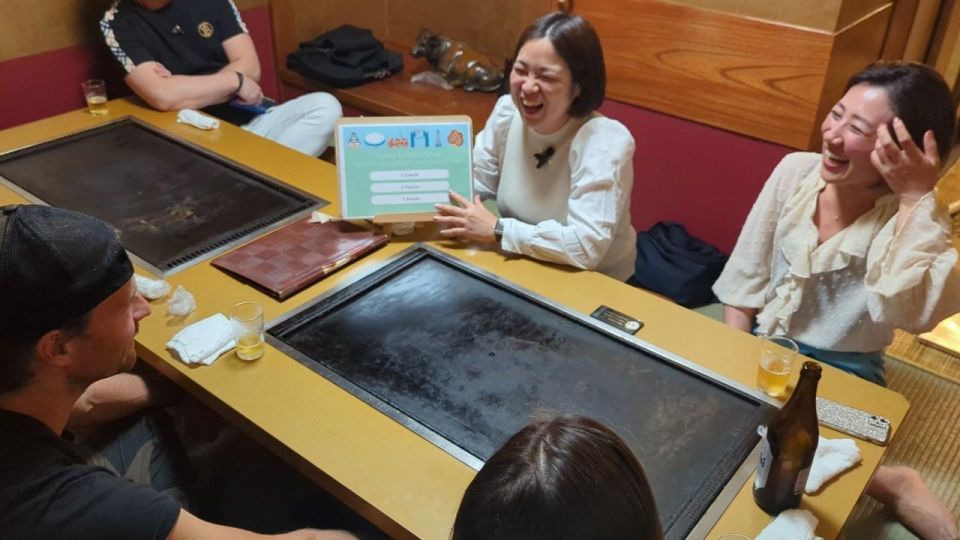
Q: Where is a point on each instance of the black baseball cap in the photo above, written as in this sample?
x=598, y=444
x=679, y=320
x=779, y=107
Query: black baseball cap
x=55, y=266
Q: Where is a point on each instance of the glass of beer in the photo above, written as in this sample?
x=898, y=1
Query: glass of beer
x=777, y=354
x=95, y=90
x=247, y=321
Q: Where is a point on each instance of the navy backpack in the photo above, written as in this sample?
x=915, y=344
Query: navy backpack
x=679, y=266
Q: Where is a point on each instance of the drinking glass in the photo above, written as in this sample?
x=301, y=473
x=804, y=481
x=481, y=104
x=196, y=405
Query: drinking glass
x=777, y=354
x=95, y=91
x=247, y=321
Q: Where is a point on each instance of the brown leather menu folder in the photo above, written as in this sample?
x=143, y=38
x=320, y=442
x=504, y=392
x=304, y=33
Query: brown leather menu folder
x=298, y=255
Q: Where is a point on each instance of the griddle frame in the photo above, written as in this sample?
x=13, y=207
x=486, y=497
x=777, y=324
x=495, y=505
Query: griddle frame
x=713, y=512
x=209, y=154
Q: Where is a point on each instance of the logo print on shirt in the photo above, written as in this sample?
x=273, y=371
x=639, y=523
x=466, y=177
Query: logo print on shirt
x=205, y=29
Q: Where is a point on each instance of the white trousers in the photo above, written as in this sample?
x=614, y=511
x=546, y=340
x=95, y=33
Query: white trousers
x=304, y=124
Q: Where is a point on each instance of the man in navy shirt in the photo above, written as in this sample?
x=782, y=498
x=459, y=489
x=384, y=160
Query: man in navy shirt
x=197, y=54
x=68, y=316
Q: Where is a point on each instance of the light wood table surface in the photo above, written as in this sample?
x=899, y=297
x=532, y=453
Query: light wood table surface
x=399, y=481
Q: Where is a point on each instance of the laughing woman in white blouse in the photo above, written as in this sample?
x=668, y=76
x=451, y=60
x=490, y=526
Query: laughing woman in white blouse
x=845, y=246
x=561, y=173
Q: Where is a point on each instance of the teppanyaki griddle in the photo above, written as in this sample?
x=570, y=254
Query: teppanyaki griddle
x=172, y=203
x=466, y=359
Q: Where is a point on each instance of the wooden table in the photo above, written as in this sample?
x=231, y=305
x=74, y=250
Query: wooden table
x=399, y=481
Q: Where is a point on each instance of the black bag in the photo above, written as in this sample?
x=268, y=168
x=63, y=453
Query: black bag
x=679, y=266
x=344, y=57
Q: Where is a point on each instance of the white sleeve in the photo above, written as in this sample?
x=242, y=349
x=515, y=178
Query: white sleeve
x=912, y=276
x=601, y=170
x=746, y=276
x=488, y=148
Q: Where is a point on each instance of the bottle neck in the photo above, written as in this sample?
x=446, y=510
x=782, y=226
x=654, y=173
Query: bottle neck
x=804, y=395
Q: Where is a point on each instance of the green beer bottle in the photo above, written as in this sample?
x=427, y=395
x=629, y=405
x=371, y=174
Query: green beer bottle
x=788, y=448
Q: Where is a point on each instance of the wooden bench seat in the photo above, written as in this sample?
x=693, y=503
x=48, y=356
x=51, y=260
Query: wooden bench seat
x=397, y=96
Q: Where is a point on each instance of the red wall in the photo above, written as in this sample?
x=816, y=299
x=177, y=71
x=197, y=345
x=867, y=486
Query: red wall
x=703, y=177
x=48, y=83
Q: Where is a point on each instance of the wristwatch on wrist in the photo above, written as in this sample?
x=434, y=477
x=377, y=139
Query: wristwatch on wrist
x=498, y=230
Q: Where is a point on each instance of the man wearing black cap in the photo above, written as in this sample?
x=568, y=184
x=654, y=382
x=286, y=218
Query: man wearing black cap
x=69, y=310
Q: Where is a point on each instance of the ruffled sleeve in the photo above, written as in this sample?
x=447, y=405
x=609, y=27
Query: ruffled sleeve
x=601, y=170
x=488, y=148
x=746, y=277
x=912, y=276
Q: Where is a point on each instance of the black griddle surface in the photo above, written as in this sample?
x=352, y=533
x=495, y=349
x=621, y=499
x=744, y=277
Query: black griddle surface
x=472, y=361
x=170, y=202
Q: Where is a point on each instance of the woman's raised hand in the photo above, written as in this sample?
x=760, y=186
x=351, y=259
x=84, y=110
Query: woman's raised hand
x=910, y=172
x=468, y=220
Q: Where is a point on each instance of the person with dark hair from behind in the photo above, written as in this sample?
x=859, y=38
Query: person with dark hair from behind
x=69, y=310
x=844, y=246
x=561, y=172
x=570, y=477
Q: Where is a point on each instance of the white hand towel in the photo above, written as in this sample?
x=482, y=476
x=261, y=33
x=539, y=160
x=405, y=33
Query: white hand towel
x=150, y=288
x=832, y=458
x=203, y=341
x=197, y=119
x=790, y=525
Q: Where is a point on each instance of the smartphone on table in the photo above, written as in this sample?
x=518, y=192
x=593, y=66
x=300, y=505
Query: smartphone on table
x=258, y=108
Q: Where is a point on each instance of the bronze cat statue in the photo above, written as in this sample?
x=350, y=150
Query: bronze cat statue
x=458, y=63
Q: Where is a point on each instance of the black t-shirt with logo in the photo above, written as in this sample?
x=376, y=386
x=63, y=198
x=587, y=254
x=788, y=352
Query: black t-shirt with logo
x=47, y=491
x=186, y=37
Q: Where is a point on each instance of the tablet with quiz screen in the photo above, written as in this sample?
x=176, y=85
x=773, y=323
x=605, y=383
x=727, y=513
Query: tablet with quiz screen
x=396, y=169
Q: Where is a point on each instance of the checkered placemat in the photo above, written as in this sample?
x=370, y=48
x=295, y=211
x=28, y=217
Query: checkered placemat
x=298, y=255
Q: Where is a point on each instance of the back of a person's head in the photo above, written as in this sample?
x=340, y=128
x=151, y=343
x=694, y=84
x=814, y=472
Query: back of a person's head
x=569, y=477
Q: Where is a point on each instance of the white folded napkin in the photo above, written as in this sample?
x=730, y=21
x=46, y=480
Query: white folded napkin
x=832, y=458
x=203, y=341
x=197, y=119
x=150, y=288
x=790, y=525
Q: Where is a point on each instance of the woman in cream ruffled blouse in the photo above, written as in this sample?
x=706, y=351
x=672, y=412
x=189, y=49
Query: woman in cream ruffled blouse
x=844, y=246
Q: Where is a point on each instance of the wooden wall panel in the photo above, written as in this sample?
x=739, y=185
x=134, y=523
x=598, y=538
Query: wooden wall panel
x=944, y=51
x=27, y=29
x=34, y=27
x=898, y=31
x=829, y=15
x=744, y=75
x=854, y=12
x=921, y=30
x=759, y=78
x=491, y=27
x=820, y=15
x=853, y=49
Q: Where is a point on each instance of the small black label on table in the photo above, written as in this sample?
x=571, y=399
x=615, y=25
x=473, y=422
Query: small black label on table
x=616, y=319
